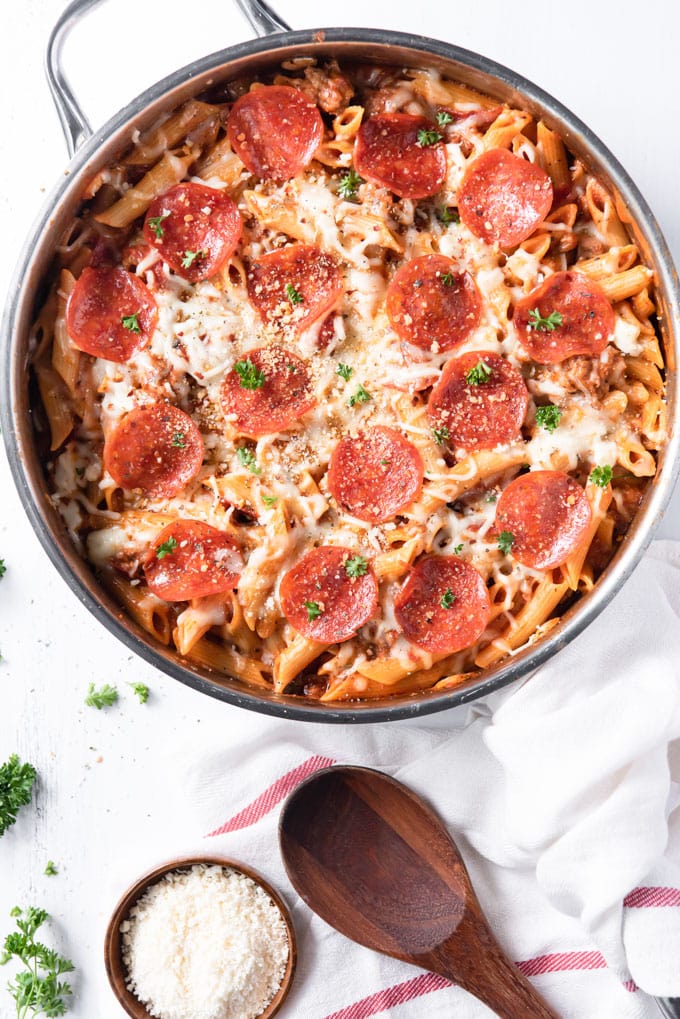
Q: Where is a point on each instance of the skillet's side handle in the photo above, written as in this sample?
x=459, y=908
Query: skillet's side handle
x=261, y=18
x=75, y=124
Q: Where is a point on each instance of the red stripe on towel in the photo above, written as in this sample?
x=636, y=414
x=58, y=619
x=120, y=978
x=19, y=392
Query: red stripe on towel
x=272, y=796
x=641, y=898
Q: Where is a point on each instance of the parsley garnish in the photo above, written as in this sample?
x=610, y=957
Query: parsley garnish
x=548, y=417
x=440, y=434
x=490, y=497
x=349, y=185
x=178, y=440
x=443, y=118
x=51, y=869
x=448, y=216
x=506, y=539
x=426, y=137
x=166, y=548
x=545, y=325
x=37, y=990
x=103, y=698
x=141, y=691
x=16, y=784
x=447, y=599
x=247, y=459
x=270, y=500
x=361, y=396
x=191, y=256
x=356, y=566
x=249, y=376
x=601, y=476
x=293, y=295
x=448, y=279
x=457, y=549
x=345, y=371
x=314, y=610
x=155, y=224
x=131, y=322
x=3, y=568
x=478, y=375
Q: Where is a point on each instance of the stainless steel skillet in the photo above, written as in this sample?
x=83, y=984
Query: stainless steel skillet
x=94, y=150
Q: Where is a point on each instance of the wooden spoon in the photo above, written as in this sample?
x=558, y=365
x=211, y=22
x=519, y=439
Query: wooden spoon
x=373, y=861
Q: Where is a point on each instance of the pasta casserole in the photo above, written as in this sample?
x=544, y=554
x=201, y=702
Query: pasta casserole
x=352, y=380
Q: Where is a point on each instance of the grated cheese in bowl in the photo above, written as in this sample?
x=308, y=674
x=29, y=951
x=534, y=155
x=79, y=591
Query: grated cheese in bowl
x=205, y=942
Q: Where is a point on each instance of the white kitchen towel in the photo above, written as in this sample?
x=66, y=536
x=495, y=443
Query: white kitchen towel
x=563, y=795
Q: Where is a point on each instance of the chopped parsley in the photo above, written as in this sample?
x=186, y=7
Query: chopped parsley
x=178, y=440
x=457, y=549
x=478, y=375
x=356, y=566
x=443, y=118
x=141, y=691
x=349, y=185
x=131, y=322
x=361, y=396
x=250, y=377
x=247, y=459
x=506, y=539
x=293, y=295
x=102, y=698
x=37, y=989
x=447, y=599
x=448, y=216
x=440, y=434
x=51, y=869
x=314, y=610
x=270, y=500
x=3, y=568
x=548, y=417
x=426, y=138
x=601, y=476
x=166, y=548
x=490, y=497
x=191, y=256
x=16, y=785
x=345, y=371
x=545, y=325
x=448, y=279
x=155, y=224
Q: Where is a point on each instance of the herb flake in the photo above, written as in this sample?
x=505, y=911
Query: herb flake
x=356, y=566
x=479, y=374
x=601, y=476
x=349, y=185
x=314, y=610
x=361, y=396
x=141, y=691
x=131, y=322
x=166, y=548
x=545, y=325
x=447, y=599
x=293, y=295
x=102, y=698
x=247, y=459
x=548, y=417
x=428, y=137
x=250, y=377
x=506, y=539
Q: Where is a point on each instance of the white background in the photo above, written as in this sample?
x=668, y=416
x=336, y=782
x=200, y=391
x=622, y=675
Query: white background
x=104, y=810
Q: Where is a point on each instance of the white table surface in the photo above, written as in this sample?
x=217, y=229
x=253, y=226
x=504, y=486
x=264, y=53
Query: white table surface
x=103, y=810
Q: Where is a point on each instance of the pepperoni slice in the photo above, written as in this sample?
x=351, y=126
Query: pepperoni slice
x=195, y=228
x=275, y=130
x=110, y=314
x=282, y=392
x=503, y=197
x=376, y=475
x=482, y=415
x=388, y=153
x=582, y=319
x=321, y=587
x=432, y=305
x=156, y=448
x=294, y=286
x=548, y=515
x=190, y=559
x=444, y=605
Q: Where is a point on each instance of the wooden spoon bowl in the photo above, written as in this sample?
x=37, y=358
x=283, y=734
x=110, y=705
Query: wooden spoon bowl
x=376, y=863
x=113, y=953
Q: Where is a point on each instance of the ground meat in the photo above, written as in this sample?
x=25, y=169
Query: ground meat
x=590, y=375
x=327, y=87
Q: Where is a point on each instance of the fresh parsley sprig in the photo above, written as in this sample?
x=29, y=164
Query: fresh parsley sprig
x=250, y=377
x=447, y=215
x=314, y=610
x=166, y=548
x=37, y=988
x=443, y=118
x=428, y=137
x=293, y=295
x=506, y=539
x=131, y=322
x=190, y=257
x=155, y=224
x=345, y=371
x=356, y=566
x=447, y=599
x=479, y=374
x=102, y=698
x=361, y=396
x=548, y=416
x=16, y=785
x=141, y=691
x=441, y=435
x=601, y=476
x=545, y=325
x=349, y=185
x=3, y=568
x=246, y=458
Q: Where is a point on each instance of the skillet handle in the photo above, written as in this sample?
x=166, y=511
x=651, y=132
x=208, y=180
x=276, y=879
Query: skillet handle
x=669, y=1007
x=74, y=123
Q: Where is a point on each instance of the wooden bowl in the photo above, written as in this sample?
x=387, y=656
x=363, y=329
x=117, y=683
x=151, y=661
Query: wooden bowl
x=113, y=955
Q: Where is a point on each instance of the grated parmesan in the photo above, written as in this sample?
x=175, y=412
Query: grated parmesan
x=205, y=943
